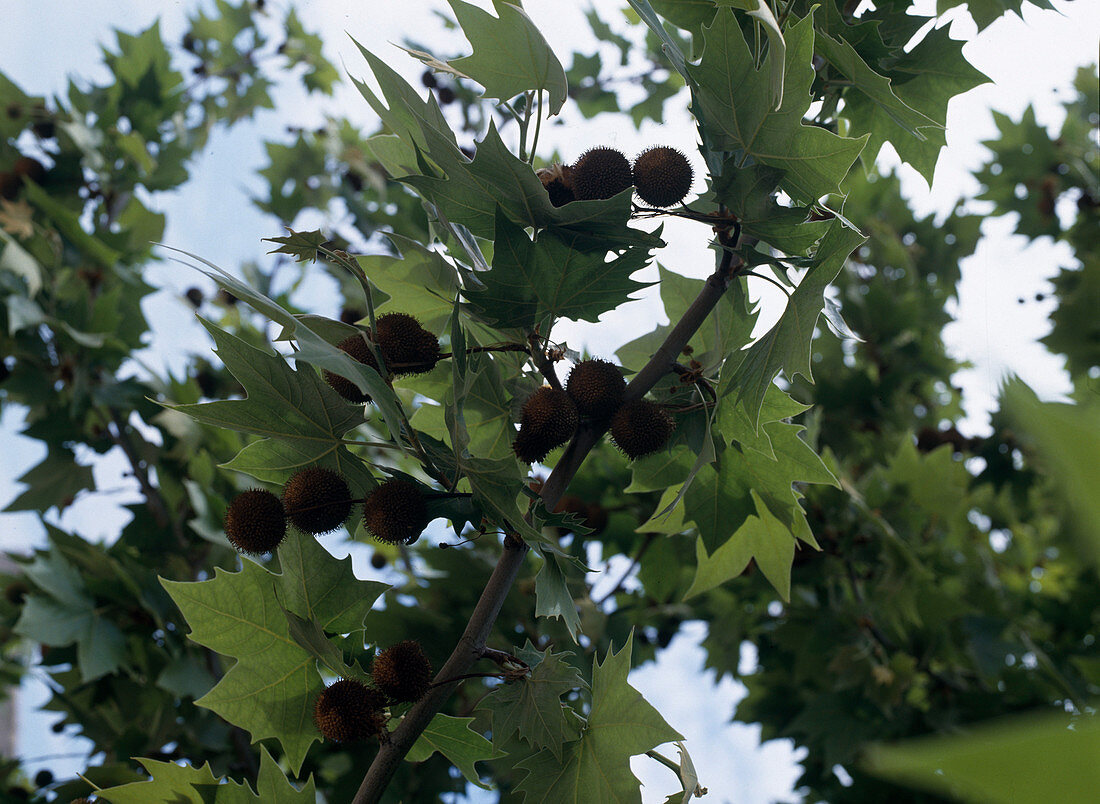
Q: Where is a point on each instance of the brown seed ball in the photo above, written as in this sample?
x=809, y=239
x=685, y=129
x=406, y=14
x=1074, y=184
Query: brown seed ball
x=640, y=428
x=596, y=518
x=601, y=173
x=255, y=522
x=596, y=387
x=317, y=500
x=396, y=512
x=31, y=168
x=406, y=346
x=662, y=176
x=548, y=419
x=403, y=672
x=558, y=181
x=349, y=710
x=360, y=350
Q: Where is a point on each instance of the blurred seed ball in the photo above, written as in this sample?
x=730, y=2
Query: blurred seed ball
x=446, y=96
x=354, y=180
x=188, y=42
x=255, y=522
x=601, y=173
x=5, y=370
x=596, y=518
x=378, y=561
x=30, y=168
x=403, y=672
x=406, y=346
x=317, y=500
x=225, y=297
x=16, y=592
x=548, y=419
x=596, y=386
x=9, y=185
x=396, y=512
x=640, y=428
x=349, y=710
x=43, y=778
x=662, y=176
x=427, y=78
x=360, y=350
x=350, y=315
x=14, y=111
x=57, y=727
x=44, y=129
x=558, y=181
x=194, y=296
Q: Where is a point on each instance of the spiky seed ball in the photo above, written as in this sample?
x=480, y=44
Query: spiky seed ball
x=640, y=428
x=601, y=173
x=662, y=176
x=317, y=500
x=596, y=387
x=255, y=522
x=548, y=419
x=406, y=346
x=403, y=672
x=360, y=350
x=349, y=710
x=396, y=512
x=558, y=181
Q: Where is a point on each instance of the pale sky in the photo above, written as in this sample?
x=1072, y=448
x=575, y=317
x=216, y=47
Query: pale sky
x=1032, y=60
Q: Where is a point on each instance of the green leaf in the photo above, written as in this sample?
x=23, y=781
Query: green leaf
x=453, y=738
x=312, y=348
x=302, y=246
x=270, y=689
x=311, y=423
x=68, y=224
x=552, y=595
x=54, y=481
x=786, y=346
x=924, y=80
x=510, y=56
x=531, y=706
x=184, y=784
x=1049, y=757
x=550, y=277
x=1068, y=442
x=596, y=768
x=844, y=58
x=419, y=282
x=763, y=539
x=734, y=99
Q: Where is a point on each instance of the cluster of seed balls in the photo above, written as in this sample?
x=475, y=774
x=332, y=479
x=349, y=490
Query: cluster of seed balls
x=661, y=176
x=350, y=710
x=317, y=500
x=594, y=391
x=406, y=348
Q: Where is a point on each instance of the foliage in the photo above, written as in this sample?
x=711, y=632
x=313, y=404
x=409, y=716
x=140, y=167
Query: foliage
x=904, y=588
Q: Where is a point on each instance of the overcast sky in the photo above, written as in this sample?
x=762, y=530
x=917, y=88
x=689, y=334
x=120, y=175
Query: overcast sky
x=1032, y=60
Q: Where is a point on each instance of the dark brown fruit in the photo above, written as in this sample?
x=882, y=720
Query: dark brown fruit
x=194, y=296
x=16, y=592
x=255, y=522
x=596, y=387
x=396, y=512
x=378, y=561
x=9, y=185
x=403, y=672
x=31, y=168
x=406, y=346
x=317, y=500
x=662, y=176
x=349, y=710
x=558, y=181
x=360, y=350
x=548, y=419
x=640, y=428
x=596, y=518
x=601, y=173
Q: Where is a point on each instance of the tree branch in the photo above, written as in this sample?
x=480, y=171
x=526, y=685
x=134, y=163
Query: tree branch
x=471, y=645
